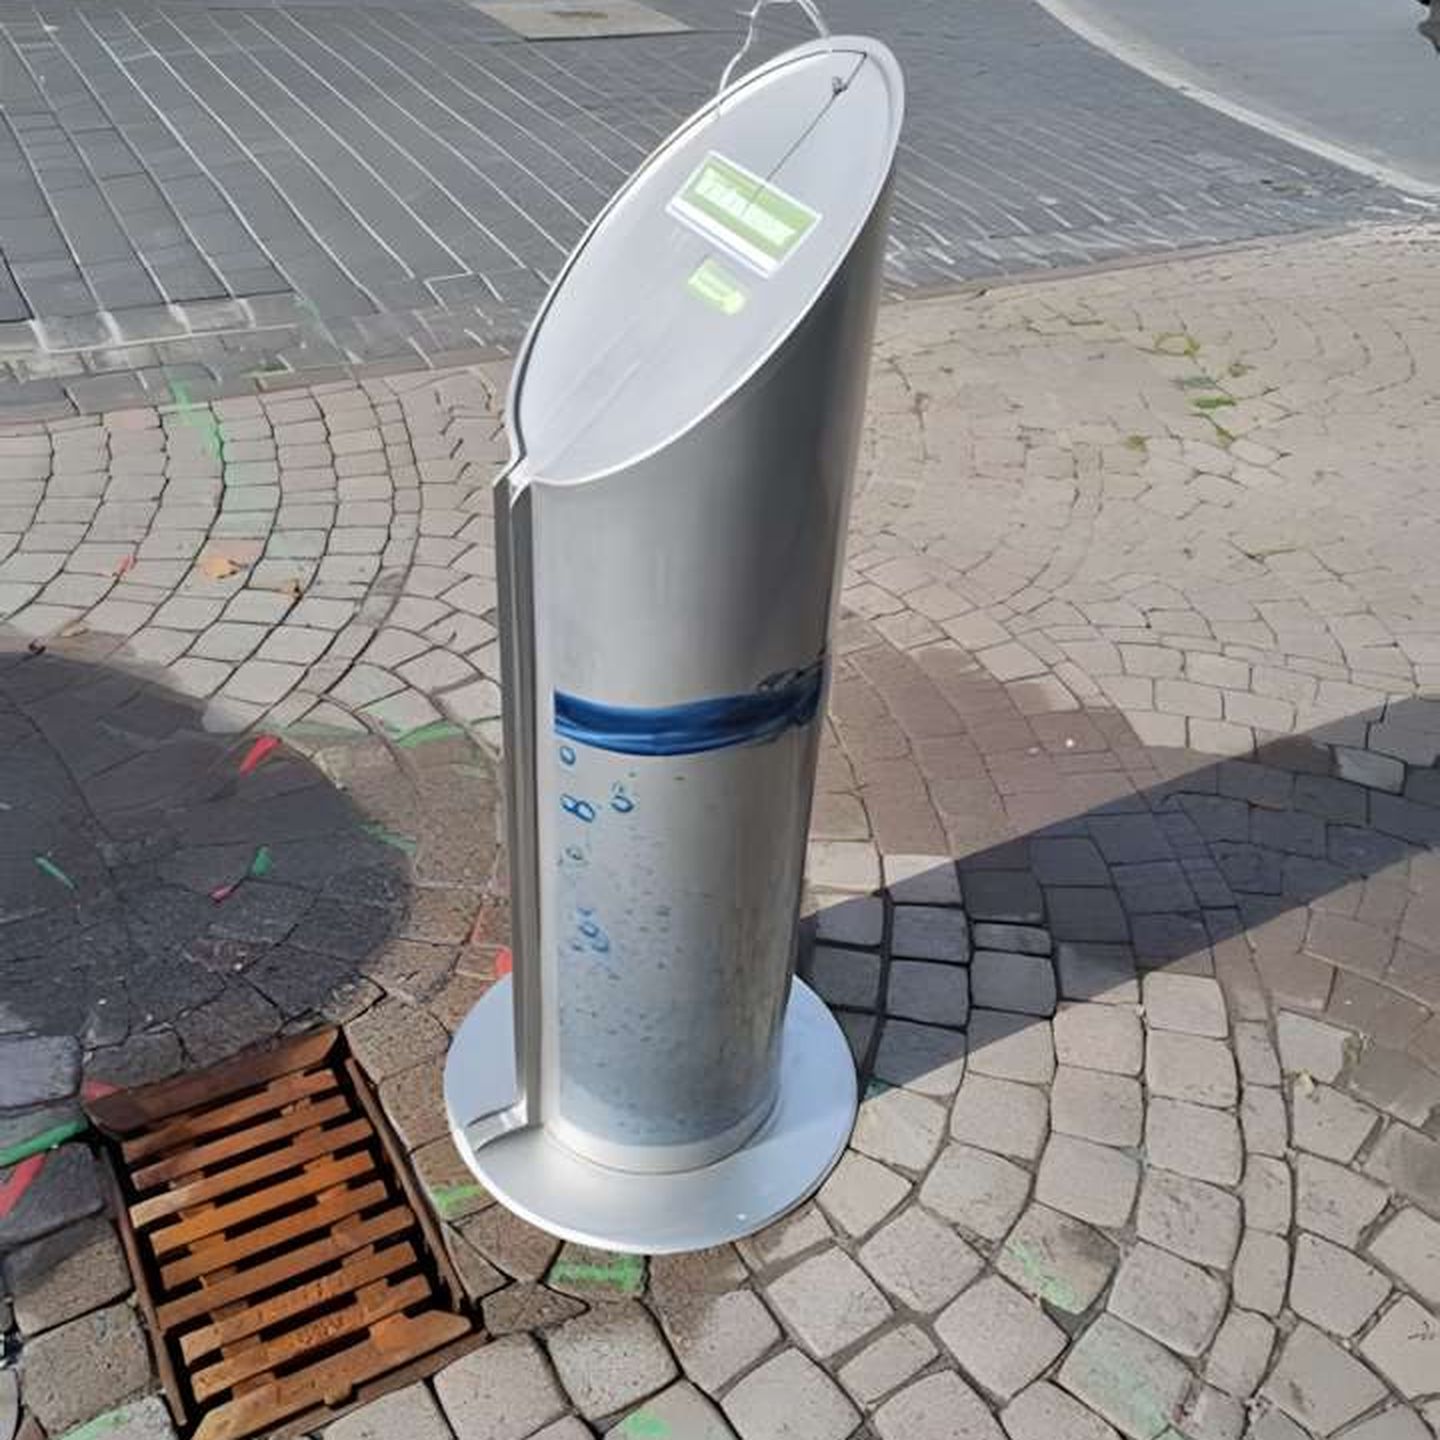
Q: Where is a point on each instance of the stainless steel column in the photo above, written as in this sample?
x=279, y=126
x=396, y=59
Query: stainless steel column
x=684, y=419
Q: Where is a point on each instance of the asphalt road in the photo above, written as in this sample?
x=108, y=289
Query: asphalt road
x=1351, y=73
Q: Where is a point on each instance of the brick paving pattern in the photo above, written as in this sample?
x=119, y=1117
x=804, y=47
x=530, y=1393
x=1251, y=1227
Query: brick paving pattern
x=216, y=196
x=1122, y=877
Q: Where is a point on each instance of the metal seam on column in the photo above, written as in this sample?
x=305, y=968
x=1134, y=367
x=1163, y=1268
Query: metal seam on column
x=719, y=723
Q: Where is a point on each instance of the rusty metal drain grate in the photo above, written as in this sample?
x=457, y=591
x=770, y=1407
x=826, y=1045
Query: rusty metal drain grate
x=284, y=1258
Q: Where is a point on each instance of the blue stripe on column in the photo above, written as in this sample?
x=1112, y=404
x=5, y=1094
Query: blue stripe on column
x=699, y=725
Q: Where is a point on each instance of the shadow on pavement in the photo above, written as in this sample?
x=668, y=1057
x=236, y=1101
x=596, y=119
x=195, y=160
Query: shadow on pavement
x=169, y=896
x=1279, y=876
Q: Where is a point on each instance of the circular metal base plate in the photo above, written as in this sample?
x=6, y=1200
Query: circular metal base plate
x=560, y=1191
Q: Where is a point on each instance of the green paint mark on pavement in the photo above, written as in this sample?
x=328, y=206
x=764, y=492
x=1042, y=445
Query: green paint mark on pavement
x=643, y=1424
x=45, y=1140
x=622, y=1272
x=54, y=871
x=447, y=1199
x=424, y=734
x=1048, y=1285
x=390, y=837
x=262, y=864
x=1213, y=402
x=200, y=418
x=101, y=1425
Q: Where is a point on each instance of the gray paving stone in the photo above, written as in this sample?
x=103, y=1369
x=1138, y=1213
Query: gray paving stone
x=977, y=1191
x=792, y=1235
x=1335, y=1202
x=1001, y=1338
x=680, y=1411
x=1255, y=1055
x=1089, y=1181
x=1168, y=1298
x=886, y=1363
x=789, y=1398
x=1009, y=896
x=1099, y=1037
x=1000, y=1115
x=860, y=1193
x=1194, y=1140
x=1397, y=1083
x=1097, y=1106
x=829, y=1302
x=1004, y=981
x=1210, y=1414
x=1409, y=1247
x=921, y=879
x=65, y=1190
x=716, y=1337
x=144, y=1419
x=1333, y=1288
x=1192, y=1004
x=921, y=1262
x=1397, y=1423
x=519, y=1249
x=1268, y=1194
x=1188, y=1067
x=1408, y=1161
x=850, y=920
x=919, y=990
x=1087, y=915
x=502, y=1391
x=35, y=1071
x=1057, y=1259
x=843, y=865
x=927, y=932
x=938, y=1407
x=845, y=977
x=1264, y=1120
x=1045, y=1412
x=86, y=1367
x=1100, y=972
x=610, y=1358
x=1137, y=1385
x=65, y=1274
x=1189, y=1217
x=570, y=1428
x=899, y=1128
x=1011, y=939
x=1240, y=1355
x=1328, y=1122
x=1262, y=1271
x=1405, y=1348
x=924, y=1058
x=411, y=1412
x=1319, y=1384
x=1011, y=1047
x=1310, y=1046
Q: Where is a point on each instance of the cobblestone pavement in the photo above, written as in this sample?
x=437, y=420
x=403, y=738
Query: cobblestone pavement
x=212, y=195
x=1123, y=877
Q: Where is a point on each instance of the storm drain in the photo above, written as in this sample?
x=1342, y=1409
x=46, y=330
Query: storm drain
x=283, y=1255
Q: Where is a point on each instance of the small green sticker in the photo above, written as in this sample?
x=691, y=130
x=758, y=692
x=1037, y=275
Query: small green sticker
x=743, y=212
x=717, y=287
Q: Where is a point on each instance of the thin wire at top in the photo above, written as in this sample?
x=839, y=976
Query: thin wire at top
x=753, y=16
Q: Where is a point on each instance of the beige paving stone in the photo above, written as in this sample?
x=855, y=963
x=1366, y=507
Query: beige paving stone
x=1098, y=1106
x=1189, y=1217
x=1194, y=1140
x=1318, y=1384
x=1129, y=1379
x=1057, y=1259
x=1333, y=1288
x=1262, y=1272
x=1001, y=1338
x=1405, y=1347
x=886, y=1363
x=1408, y=1246
x=829, y=1301
x=1091, y=1182
x=1099, y=1037
x=1000, y=1115
x=979, y=1192
x=1169, y=1299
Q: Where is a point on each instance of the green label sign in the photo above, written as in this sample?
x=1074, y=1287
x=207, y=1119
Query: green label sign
x=717, y=287
x=743, y=212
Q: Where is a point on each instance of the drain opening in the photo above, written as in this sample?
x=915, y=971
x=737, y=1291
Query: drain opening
x=284, y=1258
